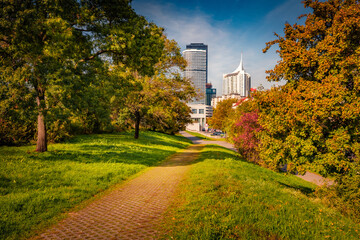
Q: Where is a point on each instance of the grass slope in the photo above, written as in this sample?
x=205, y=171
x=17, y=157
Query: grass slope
x=203, y=137
x=226, y=198
x=35, y=188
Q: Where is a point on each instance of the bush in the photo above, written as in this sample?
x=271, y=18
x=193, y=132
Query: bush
x=344, y=195
x=245, y=139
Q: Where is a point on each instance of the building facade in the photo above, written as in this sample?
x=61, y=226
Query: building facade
x=196, y=55
x=216, y=100
x=199, y=113
x=210, y=93
x=237, y=82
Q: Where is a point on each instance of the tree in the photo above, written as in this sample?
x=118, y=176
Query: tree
x=244, y=127
x=221, y=113
x=158, y=102
x=317, y=113
x=35, y=43
x=246, y=139
x=313, y=122
x=48, y=43
x=170, y=113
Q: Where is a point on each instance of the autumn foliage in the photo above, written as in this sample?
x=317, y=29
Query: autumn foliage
x=246, y=140
x=222, y=115
x=313, y=121
x=319, y=108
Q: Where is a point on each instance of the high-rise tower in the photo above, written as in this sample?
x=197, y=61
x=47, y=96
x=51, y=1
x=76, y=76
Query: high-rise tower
x=237, y=82
x=196, y=55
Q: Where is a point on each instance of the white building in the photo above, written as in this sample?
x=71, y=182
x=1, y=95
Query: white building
x=216, y=100
x=237, y=82
x=199, y=113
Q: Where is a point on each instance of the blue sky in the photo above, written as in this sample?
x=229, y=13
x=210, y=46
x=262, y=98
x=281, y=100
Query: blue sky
x=229, y=28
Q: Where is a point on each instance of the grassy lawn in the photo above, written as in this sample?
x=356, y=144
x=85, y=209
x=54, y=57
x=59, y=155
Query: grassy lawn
x=35, y=188
x=227, y=198
x=203, y=137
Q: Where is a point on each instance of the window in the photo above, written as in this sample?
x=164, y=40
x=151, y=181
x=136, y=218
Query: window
x=196, y=120
x=194, y=111
x=201, y=111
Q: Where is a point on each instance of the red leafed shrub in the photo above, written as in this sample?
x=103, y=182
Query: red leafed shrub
x=245, y=139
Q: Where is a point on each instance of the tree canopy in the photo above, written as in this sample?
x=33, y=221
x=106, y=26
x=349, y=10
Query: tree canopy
x=65, y=63
x=316, y=113
x=221, y=113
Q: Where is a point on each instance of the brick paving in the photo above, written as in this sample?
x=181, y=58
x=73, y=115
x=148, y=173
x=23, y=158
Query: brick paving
x=133, y=210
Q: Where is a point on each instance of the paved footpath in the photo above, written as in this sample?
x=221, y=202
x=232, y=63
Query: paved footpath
x=133, y=210
x=197, y=140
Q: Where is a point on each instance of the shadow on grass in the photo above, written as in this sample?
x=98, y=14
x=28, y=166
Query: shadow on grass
x=149, y=150
x=305, y=190
x=197, y=155
x=105, y=154
x=146, y=138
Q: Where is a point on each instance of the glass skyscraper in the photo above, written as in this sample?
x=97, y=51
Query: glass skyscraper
x=210, y=93
x=196, y=55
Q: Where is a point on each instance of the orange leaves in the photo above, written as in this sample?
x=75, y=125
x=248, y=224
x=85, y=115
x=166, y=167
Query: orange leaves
x=327, y=44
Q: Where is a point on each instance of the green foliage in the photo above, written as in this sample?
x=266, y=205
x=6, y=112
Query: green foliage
x=17, y=114
x=36, y=188
x=157, y=102
x=345, y=195
x=226, y=198
x=86, y=67
x=58, y=52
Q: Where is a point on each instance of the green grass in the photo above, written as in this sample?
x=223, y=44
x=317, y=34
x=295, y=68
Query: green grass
x=36, y=188
x=203, y=137
x=227, y=198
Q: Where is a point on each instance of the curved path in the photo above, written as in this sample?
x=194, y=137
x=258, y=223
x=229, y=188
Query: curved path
x=131, y=211
x=197, y=140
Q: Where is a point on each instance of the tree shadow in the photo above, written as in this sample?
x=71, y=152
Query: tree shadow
x=149, y=150
x=217, y=152
x=304, y=190
x=148, y=156
x=197, y=154
x=146, y=138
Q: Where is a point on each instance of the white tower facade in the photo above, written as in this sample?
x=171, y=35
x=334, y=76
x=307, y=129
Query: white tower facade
x=237, y=82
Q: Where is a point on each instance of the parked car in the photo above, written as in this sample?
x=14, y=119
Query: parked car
x=216, y=134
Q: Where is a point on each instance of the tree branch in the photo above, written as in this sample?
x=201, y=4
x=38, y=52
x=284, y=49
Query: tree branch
x=5, y=41
x=92, y=56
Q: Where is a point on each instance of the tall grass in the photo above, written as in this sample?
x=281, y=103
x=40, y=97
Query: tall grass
x=227, y=198
x=35, y=188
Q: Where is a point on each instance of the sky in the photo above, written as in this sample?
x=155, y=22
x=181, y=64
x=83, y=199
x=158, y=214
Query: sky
x=229, y=28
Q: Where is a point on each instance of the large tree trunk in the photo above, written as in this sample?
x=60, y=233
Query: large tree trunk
x=41, y=145
x=137, y=124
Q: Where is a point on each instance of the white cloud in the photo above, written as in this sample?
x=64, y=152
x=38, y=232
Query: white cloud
x=225, y=44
